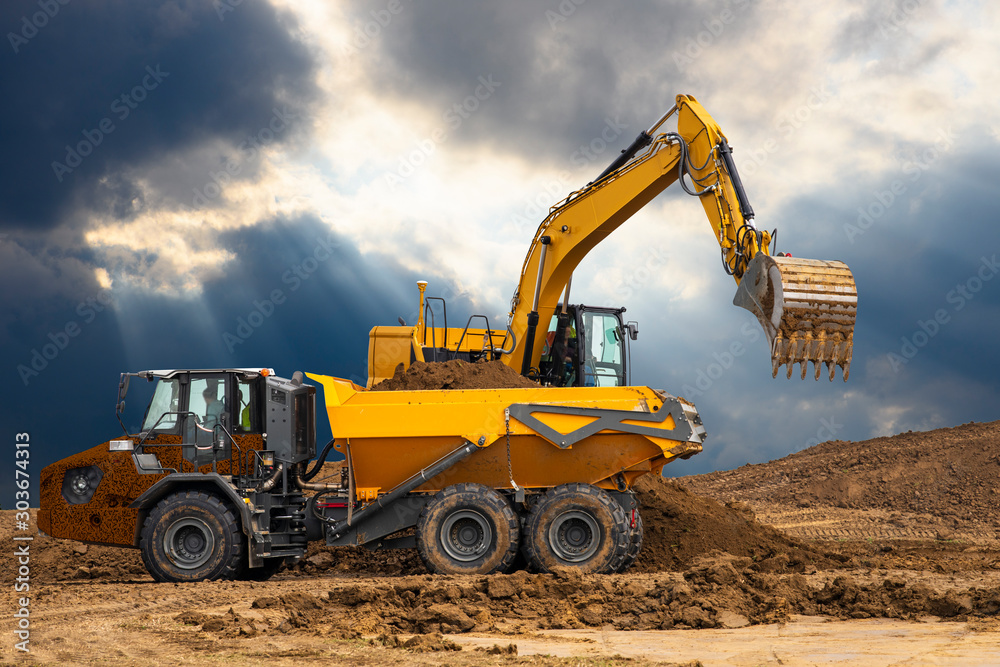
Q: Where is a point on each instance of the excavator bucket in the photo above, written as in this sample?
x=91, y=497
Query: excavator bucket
x=807, y=308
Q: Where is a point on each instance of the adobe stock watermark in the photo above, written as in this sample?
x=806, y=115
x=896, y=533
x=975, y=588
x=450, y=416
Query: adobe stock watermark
x=556, y=189
x=828, y=429
x=786, y=125
x=294, y=277
x=913, y=170
x=453, y=118
x=723, y=362
x=37, y=21
x=642, y=272
x=248, y=151
x=366, y=32
x=57, y=341
x=900, y=14
x=121, y=107
x=957, y=298
x=223, y=7
x=694, y=47
x=564, y=10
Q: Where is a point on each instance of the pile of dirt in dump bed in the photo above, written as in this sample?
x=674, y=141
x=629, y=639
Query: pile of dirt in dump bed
x=948, y=472
x=455, y=374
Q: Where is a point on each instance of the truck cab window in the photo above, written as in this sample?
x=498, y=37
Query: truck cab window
x=208, y=401
x=247, y=408
x=166, y=398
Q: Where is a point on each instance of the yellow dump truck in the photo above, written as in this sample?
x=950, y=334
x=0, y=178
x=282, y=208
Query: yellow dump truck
x=217, y=483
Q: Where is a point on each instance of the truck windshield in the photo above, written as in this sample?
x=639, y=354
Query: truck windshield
x=166, y=398
x=602, y=363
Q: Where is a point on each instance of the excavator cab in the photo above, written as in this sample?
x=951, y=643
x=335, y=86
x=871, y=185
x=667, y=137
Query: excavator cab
x=587, y=346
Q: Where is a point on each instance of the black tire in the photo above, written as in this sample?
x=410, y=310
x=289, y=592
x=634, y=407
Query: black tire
x=519, y=563
x=578, y=526
x=192, y=536
x=468, y=529
x=634, y=540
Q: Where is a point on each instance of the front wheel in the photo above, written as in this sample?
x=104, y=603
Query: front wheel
x=578, y=526
x=191, y=536
x=467, y=529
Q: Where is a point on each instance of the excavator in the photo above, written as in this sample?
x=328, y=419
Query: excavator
x=807, y=307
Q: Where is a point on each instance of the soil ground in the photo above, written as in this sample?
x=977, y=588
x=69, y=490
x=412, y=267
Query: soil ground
x=869, y=553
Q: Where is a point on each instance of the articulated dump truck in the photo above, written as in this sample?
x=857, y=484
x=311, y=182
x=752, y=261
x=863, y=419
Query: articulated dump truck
x=218, y=483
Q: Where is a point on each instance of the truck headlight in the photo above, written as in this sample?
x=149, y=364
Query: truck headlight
x=79, y=484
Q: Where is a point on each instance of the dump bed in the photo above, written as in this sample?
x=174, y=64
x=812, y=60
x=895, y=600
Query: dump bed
x=536, y=438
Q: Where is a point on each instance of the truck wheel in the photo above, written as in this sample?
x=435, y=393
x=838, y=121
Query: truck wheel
x=578, y=526
x=467, y=529
x=634, y=540
x=191, y=536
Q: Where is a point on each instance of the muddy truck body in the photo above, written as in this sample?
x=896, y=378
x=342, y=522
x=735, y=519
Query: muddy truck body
x=222, y=481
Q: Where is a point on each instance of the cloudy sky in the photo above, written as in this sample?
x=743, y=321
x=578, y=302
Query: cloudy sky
x=171, y=166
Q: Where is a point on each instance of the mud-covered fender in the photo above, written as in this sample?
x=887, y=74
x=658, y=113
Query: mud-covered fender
x=188, y=480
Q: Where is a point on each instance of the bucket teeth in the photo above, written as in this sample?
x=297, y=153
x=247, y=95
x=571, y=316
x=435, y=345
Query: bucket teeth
x=803, y=350
x=807, y=308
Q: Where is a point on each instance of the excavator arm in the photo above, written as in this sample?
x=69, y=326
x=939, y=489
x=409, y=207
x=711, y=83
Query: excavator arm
x=806, y=307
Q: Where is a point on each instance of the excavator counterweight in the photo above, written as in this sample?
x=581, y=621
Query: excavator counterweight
x=807, y=308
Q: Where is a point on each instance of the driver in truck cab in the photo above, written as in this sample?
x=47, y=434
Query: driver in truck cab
x=213, y=409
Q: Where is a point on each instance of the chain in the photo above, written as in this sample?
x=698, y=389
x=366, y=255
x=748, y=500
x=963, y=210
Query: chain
x=510, y=468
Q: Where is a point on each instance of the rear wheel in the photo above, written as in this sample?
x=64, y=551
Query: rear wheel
x=467, y=529
x=191, y=536
x=634, y=520
x=578, y=526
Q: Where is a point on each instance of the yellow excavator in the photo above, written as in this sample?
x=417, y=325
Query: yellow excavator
x=807, y=307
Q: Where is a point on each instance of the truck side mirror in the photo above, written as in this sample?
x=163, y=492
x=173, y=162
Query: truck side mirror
x=633, y=330
x=122, y=387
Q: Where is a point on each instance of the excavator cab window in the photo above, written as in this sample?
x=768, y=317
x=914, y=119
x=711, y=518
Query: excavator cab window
x=602, y=358
x=559, y=354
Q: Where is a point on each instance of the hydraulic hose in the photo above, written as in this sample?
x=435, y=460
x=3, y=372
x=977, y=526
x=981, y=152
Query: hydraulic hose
x=320, y=460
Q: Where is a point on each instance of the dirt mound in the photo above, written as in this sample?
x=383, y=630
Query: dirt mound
x=953, y=473
x=346, y=561
x=64, y=560
x=679, y=527
x=455, y=374
x=718, y=591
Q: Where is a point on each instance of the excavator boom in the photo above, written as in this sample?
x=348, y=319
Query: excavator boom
x=806, y=307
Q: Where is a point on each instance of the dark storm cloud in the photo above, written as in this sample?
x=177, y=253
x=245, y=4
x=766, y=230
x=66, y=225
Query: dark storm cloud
x=330, y=298
x=564, y=68
x=133, y=87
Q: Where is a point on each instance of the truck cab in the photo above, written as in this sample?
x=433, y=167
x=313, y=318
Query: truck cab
x=198, y=406
x=203, y=488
